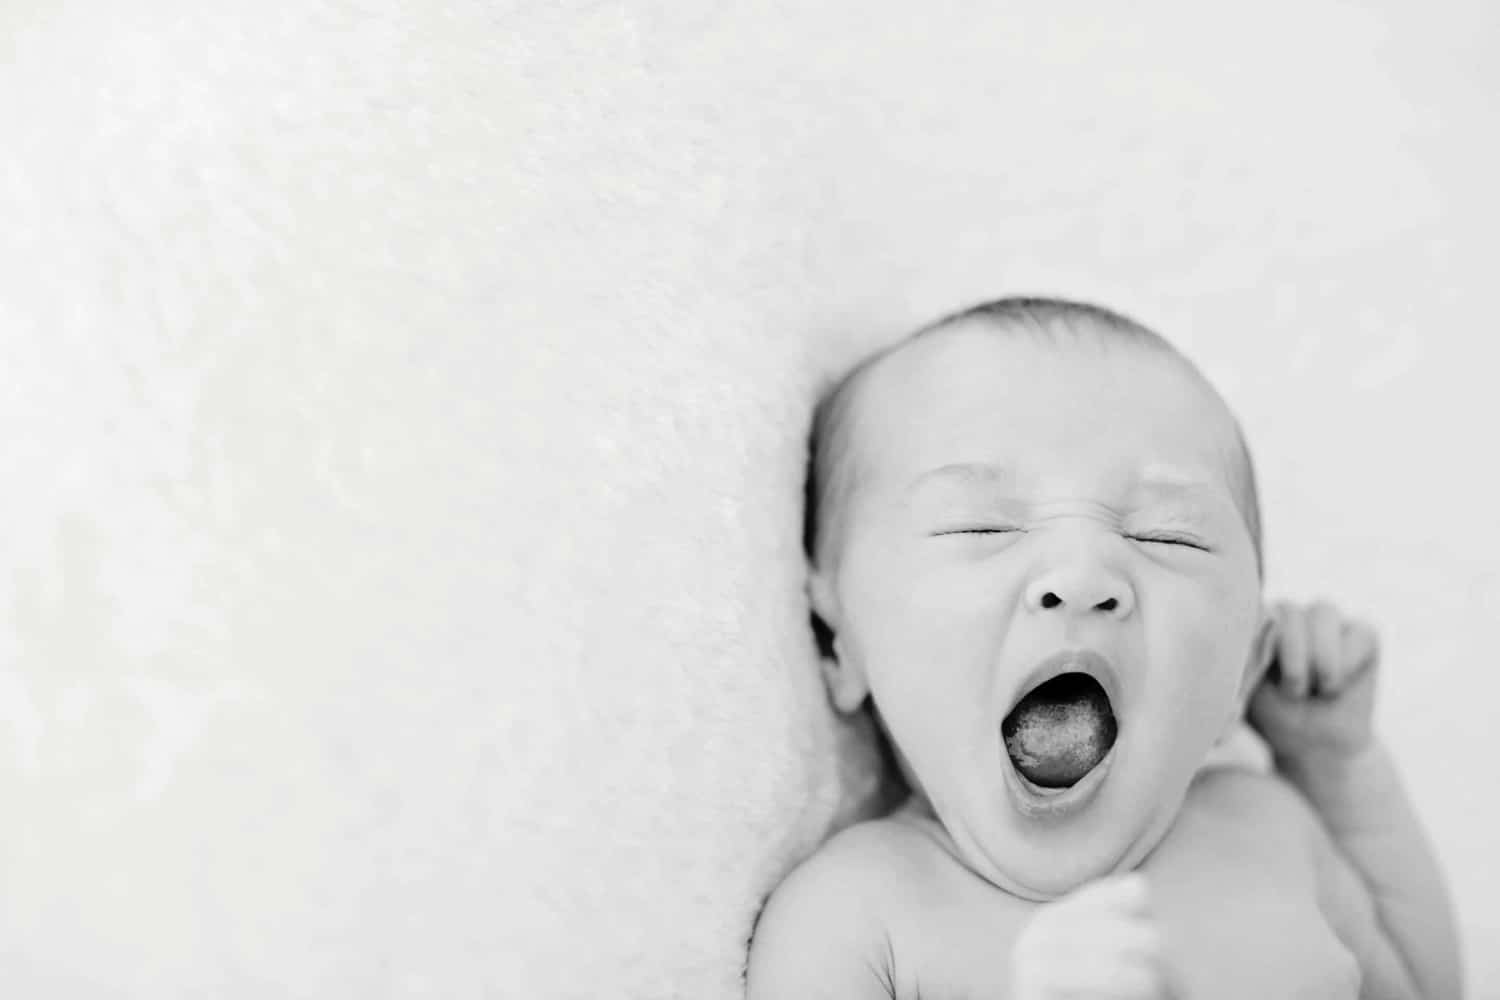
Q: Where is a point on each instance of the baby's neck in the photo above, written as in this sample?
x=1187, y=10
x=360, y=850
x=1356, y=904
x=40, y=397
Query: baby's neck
x=917, y=813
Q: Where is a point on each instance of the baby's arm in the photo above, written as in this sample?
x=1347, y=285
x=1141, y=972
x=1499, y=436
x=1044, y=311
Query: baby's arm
x=1316, y=715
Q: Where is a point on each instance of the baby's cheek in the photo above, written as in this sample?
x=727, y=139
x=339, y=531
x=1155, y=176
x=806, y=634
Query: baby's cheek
x=1226, y=605
x=1210, y=647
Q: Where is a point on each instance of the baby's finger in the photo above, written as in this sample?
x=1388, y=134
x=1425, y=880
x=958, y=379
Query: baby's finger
x=1113, y=938
x=1089, y=972
x=1361, y=646
x=1149, y=979
x=1135, y=940
x=1134, y=981
x=1325, y=629
x=1291, y=651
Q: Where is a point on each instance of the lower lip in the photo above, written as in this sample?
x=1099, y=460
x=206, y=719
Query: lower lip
x=1036, y=802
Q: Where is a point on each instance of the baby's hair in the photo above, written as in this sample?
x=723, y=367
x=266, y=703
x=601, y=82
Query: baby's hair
x=831, y=473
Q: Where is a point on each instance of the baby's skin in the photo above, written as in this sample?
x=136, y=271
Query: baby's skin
x=1378, y=897
x=1001, y=533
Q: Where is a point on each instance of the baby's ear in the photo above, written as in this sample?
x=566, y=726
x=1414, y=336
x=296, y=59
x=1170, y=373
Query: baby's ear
x=844, y=677
x=1262, y=655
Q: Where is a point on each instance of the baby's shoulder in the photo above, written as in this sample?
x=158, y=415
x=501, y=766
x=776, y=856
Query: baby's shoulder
x=833, y=919
x=818, y=932
x=895, y=844
x=870, y=868
x=1256, y=805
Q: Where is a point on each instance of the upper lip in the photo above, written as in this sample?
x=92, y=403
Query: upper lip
x=1084, y=661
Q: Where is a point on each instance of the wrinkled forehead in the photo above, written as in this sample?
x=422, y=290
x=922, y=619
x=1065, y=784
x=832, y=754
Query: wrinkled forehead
x=1044, y=407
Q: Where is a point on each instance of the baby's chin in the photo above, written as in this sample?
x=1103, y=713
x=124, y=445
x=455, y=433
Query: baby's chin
x=1040, y=860
x=1051, y=877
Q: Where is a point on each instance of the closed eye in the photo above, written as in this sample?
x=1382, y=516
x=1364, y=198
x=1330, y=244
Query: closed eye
x=1187, y=541
x=977, y=531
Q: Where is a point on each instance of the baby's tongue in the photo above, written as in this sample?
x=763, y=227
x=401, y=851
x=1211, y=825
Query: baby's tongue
x=1060, y=731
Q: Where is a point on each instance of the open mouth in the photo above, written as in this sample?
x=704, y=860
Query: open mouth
x=1060, y=735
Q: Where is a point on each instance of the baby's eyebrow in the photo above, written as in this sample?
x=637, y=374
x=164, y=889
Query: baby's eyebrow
x=1179, y=499
x=1179, y=493
x=1157, y=481
x=963, y=474
x=1165, y=476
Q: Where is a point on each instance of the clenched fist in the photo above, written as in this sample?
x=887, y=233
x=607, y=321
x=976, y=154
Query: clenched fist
x=1097, y=943
x=1318, y=697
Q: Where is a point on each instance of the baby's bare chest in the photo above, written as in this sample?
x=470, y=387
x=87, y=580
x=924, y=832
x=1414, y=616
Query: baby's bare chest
x=1225, y=936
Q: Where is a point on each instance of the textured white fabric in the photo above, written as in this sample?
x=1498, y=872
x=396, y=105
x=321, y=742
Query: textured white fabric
x=403, y=408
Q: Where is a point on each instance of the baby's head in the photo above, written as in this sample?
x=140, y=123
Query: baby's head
x=1034, y=538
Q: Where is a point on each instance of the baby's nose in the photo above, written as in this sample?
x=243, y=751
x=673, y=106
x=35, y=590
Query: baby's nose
x=1081, y=589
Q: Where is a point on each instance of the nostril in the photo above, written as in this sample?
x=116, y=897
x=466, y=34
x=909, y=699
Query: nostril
x=1108, y=605
x=1050, y=600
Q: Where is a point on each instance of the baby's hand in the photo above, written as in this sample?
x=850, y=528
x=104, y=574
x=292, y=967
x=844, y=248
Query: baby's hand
x=1097, y=943
x=1318, y=698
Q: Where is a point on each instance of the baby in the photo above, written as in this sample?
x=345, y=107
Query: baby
x=1035, y=546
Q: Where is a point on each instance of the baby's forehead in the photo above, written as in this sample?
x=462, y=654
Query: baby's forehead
x=979, y=348
x=936, y=397
x=1044, y=375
